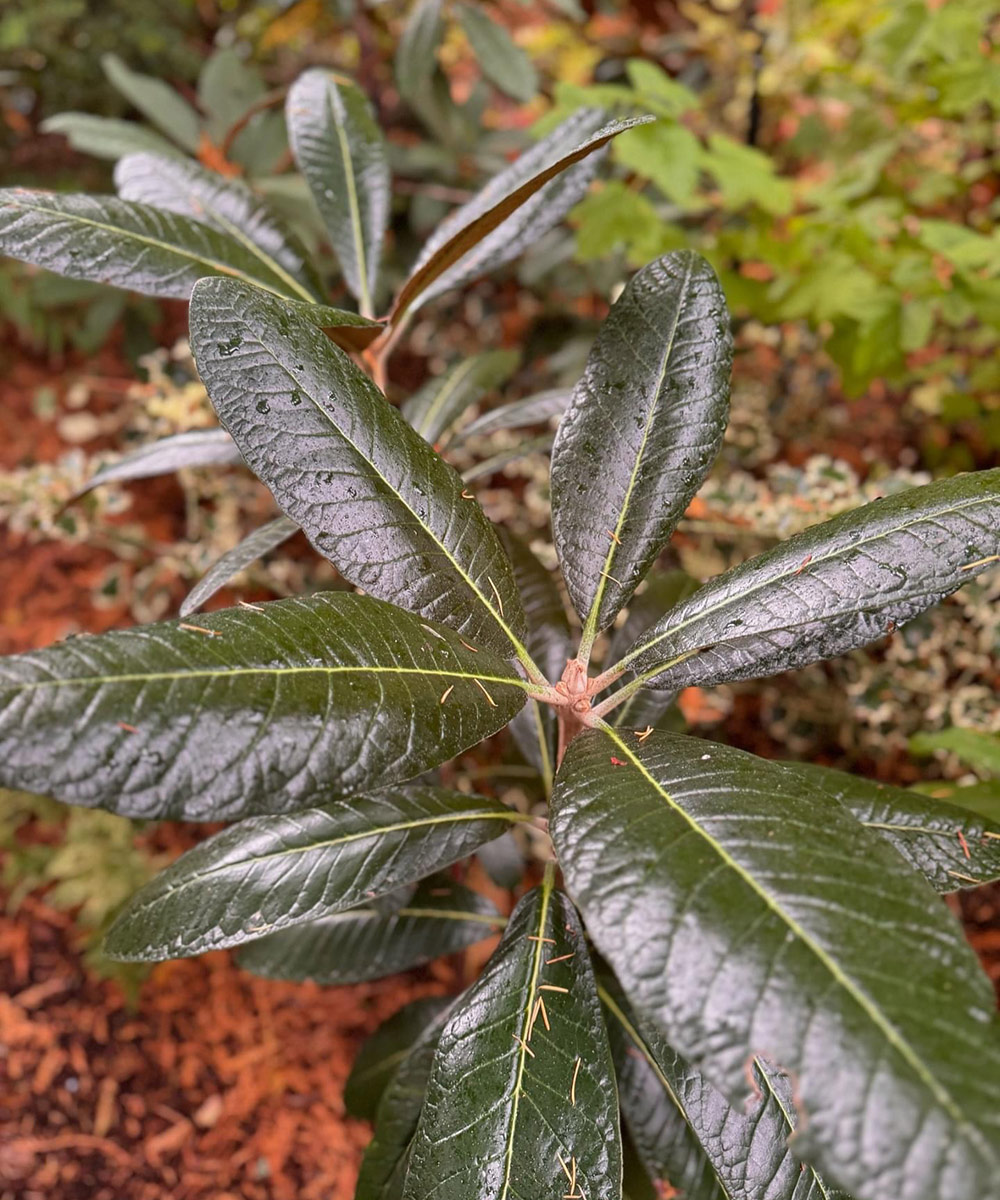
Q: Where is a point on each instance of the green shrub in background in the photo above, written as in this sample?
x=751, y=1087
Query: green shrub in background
x=865, y=209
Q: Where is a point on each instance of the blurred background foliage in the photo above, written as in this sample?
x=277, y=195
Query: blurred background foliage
x=837, y=160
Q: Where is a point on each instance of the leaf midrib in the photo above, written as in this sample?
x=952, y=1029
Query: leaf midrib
x=442, y=914
x=590, y=629
x=249, y=244
x=374, y=831
x=364, y=300
x=519, y=647
x=220, y=267
x=448, y=388
x=522, y=1055
x=203, y=673
x=858, y=994
x=791, y=573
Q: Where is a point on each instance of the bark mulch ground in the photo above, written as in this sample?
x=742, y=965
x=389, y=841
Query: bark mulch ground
x=216, y=1085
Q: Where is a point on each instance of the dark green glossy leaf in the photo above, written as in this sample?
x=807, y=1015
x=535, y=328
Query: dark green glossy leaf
x=737, y=913
x=501, y=1096
x=341, y=152
x=108, y=137
x=383, y=1053
x=660, y=592
x=271, y=873
x=383, y=1167
x=513, y=210
x=503, y=62
x=834, y=587
x=653, y=1112
x=255, y=545
x=687, y=1133
x=199, y=448
x=439, y=918
x=157, y=101
x=532, y=410
x=369, y=493
x=443, y=399
x=128, y=245
x=550, y=644
x=227, y=205
x=641, y=432
x=949, y=846
x=274, y=708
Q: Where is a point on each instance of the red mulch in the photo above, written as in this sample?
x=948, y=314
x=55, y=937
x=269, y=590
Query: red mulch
x=218, y=1085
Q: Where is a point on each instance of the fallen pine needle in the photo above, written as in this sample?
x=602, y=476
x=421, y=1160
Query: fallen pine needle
x=572, y=1086
x=482, y=688
x=523, y=1044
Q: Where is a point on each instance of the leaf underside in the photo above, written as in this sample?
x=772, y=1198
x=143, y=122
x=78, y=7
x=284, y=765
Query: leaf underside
x=275, y=708
x=341, y=462
x=513, y=210
x=739, y=914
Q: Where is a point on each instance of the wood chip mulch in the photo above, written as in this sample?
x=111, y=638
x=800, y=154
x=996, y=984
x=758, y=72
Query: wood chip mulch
x=217, y=1085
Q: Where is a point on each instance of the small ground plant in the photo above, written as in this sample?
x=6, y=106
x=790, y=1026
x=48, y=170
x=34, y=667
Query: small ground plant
x=708, y=923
